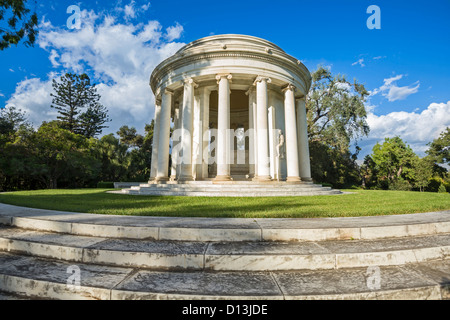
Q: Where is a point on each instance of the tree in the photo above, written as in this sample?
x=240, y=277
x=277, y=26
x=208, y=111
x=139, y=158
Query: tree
x=19, y=24
x=336, y=116
x=335, y=110
x=59, y=153
x=394, y=161
x=423, y=170
x=130, y=137
x=439, y=149
x=92, y=121
x=73, y=94
x=11, y=119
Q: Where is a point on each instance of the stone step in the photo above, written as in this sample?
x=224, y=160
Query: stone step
x=227, y=193
x=232, y=186
x=226, y=229
x=51, y=279
x=233, y=189
x=225, y=256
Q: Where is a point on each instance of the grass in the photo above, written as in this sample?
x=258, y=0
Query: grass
x=359, y=203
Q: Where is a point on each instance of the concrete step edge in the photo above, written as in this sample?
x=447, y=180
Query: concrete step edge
x=226, y=261
x=127, y=283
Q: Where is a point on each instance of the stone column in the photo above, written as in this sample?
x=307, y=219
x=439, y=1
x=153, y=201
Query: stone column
x=223, y=127
x=262, y=127
x=156, y=128
x=205, y=100
x=187, y=130
x=291, y=142
x=303, y=144
x=251, y=132
x=176, y=121
x=164, y=137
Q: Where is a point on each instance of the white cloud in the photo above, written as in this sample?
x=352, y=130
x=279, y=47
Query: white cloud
x=417, y=129
x=360, y=62
x=33, y=97
x=11, y=70
x=130, y=11
x=392, y=92
x=119, y=56
x=379, y=57
x=1, y=94
x=174, y=32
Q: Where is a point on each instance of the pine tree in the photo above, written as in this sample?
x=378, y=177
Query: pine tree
x=74, y=94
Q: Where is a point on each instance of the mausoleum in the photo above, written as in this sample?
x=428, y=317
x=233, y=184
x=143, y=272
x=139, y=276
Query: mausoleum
x=230, y=108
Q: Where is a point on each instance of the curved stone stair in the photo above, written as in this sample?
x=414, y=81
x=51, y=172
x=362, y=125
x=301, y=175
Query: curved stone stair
x=230, y=189
x=392, y=257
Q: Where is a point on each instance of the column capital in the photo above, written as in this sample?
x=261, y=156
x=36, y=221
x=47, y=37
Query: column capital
x=167, y=91
x=191, y=82
x=288, y=87
x=220, y=76
x=262, y=78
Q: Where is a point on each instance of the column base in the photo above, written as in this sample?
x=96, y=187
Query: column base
x=185, y=179
x=173, y=178
x=262, y=179
x=293, y=179
x=161, y=180
x=307, y=179
x=222, y=178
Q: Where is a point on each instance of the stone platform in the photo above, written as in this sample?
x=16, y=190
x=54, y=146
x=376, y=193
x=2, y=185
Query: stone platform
x=230, y=189
x=125, y=257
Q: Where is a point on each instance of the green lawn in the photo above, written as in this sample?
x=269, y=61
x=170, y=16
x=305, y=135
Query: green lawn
x=359, y=203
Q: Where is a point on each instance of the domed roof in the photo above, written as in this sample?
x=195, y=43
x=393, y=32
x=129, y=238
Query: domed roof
x=229, y=41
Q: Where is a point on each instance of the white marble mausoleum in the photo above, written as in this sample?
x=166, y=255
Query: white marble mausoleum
x=236, y=104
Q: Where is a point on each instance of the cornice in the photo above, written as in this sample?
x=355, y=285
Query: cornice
x=180, y=60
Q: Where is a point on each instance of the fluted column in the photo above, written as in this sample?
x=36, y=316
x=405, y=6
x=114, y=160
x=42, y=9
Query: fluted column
x=223, y=127
x=187, y=130
x=262, y=129
x=156, y=128
x=303, y=144
x=164, y=137
x=291, y=142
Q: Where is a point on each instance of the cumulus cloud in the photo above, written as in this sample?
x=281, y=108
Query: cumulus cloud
x=417, y=129
x=118, y=56
x=392, y=92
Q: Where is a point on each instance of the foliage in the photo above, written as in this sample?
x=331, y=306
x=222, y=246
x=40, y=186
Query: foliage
x=440, y=148
x=336, y=116
x=105, y=185
x=74, y=94
x=335, y=110
x=19, y=24
x=394, y=160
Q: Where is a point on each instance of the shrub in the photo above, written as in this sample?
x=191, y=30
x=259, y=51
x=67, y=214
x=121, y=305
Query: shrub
x=400, y=185
x=442, y=188
x=105, y=185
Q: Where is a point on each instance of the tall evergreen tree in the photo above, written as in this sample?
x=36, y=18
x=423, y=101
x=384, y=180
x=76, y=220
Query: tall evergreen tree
x=73, y=95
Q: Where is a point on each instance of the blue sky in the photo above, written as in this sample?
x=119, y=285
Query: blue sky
x=404, y=64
